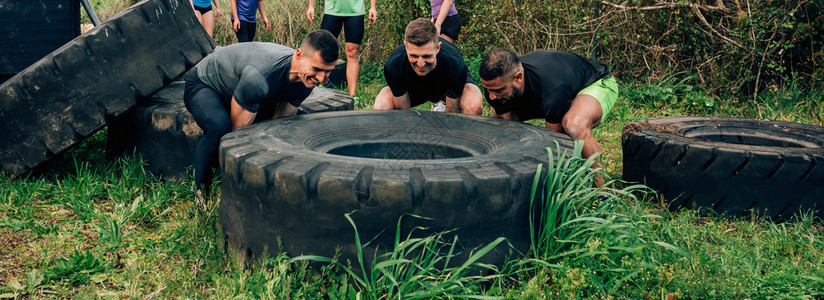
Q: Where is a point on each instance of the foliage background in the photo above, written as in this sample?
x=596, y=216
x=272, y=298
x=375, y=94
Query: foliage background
x=735, y=48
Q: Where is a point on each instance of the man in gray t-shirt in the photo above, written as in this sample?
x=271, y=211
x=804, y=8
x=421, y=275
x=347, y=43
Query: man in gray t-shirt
x=239, y=84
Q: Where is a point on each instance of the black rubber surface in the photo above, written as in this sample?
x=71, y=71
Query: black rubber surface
x=284, y=189
x=729, y=165
x=82, y=86
x=165, y=134
x=31, y=29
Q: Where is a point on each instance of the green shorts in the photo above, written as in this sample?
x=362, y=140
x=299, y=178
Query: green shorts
x=605, y=91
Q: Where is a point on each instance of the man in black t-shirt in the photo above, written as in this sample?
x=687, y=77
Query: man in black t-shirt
x=571, y=93
x=425, y=68
x=239, y=84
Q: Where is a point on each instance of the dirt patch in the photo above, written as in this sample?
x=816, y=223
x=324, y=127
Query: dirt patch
x=645, y=125
x=630, y=128
x=13, y=254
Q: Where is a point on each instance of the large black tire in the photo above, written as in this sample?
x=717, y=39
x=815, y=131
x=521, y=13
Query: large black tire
x=80, y=87
x=162, y=131
x=31, y=29
x=287, y=184
x=729, y=165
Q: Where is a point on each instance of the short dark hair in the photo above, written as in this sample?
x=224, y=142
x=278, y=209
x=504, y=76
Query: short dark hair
x=420, y=32
x=321, y=40
x=499, y=62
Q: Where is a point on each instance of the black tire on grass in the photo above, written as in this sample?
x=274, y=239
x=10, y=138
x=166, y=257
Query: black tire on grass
x=729, y=165
x=164, y=134
x=287, y=184
x=82, y=86
x=159, y=130
x=326, y=99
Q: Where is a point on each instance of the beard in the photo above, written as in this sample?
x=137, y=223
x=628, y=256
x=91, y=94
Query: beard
x=502, y=102
x=507, y=101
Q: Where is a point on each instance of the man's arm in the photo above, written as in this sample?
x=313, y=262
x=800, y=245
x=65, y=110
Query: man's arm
x=235, y=19
x=386, y=100
x=310, y=12
x=452, y=105
x=262, y=9
x=373, y=12
x=239, y=116
x=445, y=6
x=506, y=116
x=555, y=126
x=469, y=102
x=402, y=102
x=285, y=109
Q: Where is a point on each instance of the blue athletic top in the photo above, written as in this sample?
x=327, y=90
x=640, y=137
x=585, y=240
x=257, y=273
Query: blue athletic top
x=202, y=3
x=246, y=10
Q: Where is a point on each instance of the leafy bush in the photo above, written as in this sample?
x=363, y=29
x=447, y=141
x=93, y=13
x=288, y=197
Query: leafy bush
x=733, y=48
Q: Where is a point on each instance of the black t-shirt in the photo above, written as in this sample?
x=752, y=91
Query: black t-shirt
x=256, y=74
x=552, y=79
x=448, y=77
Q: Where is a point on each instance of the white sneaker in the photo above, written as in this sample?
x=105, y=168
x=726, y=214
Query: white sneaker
x=440, y=106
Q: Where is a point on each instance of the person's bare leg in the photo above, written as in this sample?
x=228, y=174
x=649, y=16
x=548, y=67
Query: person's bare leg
x=208, y=22
x=583, y=115
x=471, y=101
x=352, y=66
x=384, y=100
x=555, y=126
x=199, y=16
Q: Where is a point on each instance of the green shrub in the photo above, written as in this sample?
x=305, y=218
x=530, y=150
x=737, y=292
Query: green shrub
x=735, y=49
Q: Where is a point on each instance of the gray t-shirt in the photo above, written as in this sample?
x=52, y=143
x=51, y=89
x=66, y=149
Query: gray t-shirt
x=255, y=73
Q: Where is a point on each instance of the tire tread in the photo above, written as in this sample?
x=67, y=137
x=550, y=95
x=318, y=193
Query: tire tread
x=727, y=177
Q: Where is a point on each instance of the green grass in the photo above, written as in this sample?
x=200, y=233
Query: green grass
x=415, y=268
x=93, y=228
x=96, y=228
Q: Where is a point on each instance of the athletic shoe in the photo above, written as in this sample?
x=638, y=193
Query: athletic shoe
x=358, y=104
x=440, y=106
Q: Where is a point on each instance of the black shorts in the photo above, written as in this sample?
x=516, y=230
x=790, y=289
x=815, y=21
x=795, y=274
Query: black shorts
x=246, y=33
x=203, y=10
x=352, y=27
x=451, y=26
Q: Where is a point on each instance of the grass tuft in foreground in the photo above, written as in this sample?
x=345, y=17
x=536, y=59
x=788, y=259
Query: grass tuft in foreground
x=415, y=268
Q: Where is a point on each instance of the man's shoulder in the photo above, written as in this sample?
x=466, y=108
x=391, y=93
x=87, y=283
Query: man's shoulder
x=448, y=47
x=548, y=56
x=396, y=62
x=256, y=48
x=397, y=55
